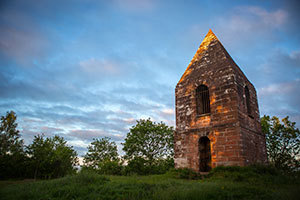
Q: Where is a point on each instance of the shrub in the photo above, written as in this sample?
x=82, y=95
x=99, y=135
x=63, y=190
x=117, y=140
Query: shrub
x=142, y=166
x=110, y=167
x=251, y=173
x=138, y=166
x=265, y=169
x=183, y=173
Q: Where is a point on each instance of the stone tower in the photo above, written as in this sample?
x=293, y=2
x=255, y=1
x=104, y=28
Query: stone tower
x=217, y=116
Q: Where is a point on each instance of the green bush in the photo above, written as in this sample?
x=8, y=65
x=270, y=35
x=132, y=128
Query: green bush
x=110, y=167
x=142, y=166
x=265, y=169
x=257, y=168
x=107, y=167
x=252, y=173
x=138, y=166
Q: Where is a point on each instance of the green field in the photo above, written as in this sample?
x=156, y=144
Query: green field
x=222, y=183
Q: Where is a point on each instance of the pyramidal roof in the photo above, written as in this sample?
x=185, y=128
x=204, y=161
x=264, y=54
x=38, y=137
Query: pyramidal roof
x=210, y=37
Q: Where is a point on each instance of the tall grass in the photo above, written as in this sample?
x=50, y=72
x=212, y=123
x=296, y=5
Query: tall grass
x=221, y=183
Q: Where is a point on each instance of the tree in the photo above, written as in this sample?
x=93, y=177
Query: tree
x=100, y=150
x=12, y=156
x=283, y=142
x=51, y=157
x=10, y=141
x=149, y=144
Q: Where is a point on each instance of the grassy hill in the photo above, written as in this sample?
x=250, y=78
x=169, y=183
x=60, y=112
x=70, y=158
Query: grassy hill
x=221, y=183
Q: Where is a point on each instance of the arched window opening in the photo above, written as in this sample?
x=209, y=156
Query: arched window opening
x=247, y=95
x=204, y=154
x=202, y=100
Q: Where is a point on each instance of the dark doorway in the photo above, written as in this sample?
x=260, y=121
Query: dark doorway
x=204, y=154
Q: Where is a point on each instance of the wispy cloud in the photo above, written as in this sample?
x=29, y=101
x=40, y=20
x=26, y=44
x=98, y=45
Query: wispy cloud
x=280, y=66
x=94, y=66
x=88, y=135
x=243, y=25
x=21, y=39
x=136, y=5
x=249, y=18
x=281, y=99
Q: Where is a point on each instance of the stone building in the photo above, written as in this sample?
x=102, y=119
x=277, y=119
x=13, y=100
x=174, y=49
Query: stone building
x=217, y=116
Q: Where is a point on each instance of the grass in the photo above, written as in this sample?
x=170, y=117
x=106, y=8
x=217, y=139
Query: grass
x=221, y=183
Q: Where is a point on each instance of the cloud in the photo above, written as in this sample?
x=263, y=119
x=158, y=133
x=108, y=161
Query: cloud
x=255, y=19
x=279, y=66
x=168, y=111
x=22, y=46
x=98, y=67
x=79, y=146
x=249, y=25
x=89, y=134
x=130, y=120
x=273, y=19
x=292, y=7
x=21, y=39
x=283, y=89
x=166, y=115
x=135, y=5
x=111, y=65
x=281, y=99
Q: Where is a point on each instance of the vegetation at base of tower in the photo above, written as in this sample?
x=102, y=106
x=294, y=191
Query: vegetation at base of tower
x=148, y=148
x=283, y=142
x=253, y=182
x=51, y=157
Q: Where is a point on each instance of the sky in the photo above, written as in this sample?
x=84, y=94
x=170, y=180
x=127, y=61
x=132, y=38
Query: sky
x=85, y=69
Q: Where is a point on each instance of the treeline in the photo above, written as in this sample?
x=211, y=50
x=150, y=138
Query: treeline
x=148, y=149
x=44, y=158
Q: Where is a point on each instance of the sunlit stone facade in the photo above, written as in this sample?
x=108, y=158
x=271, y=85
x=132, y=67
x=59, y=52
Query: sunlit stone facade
x=230, y=132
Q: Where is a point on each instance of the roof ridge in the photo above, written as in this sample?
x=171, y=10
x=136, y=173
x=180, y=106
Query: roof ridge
x=210, y=37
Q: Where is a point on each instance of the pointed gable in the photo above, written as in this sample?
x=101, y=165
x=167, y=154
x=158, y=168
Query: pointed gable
x=202, y=53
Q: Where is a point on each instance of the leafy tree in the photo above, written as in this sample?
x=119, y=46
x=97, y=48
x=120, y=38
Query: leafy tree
x=283, y=142
x=12, y=156
x=100, y=150
x=51, y=157
x=10, y=141
x=148, y=145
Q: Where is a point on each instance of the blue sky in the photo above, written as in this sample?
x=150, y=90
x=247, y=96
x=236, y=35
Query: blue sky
x=85, y=69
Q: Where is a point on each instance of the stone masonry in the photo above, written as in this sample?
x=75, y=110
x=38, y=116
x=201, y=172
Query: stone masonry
x=232, y=125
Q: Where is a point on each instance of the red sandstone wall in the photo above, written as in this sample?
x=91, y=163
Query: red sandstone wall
x=235, y=136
